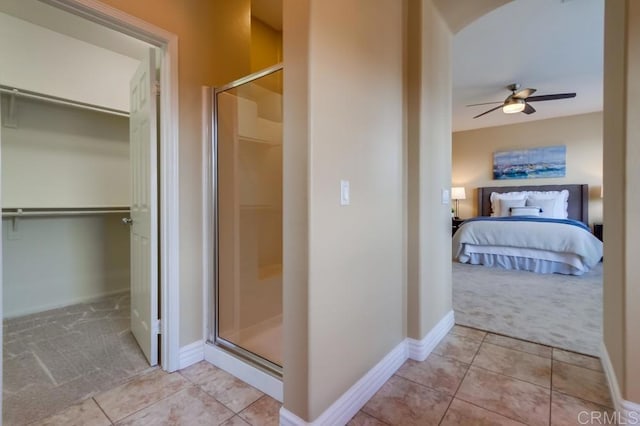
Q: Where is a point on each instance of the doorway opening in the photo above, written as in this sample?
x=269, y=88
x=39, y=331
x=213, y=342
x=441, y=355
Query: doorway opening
x=517, y=292
x=67, y=187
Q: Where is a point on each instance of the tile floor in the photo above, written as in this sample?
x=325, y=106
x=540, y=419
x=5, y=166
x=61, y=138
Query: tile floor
x=57, y=357
x=471, y=378
x=478, y=378
x=198, y=395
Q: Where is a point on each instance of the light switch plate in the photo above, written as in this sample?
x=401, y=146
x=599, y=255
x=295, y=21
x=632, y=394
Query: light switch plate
x=345, y=196
x=446, y=196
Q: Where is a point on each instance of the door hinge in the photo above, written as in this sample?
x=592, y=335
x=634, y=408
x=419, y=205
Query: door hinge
x=156, y=88
x=157, y=327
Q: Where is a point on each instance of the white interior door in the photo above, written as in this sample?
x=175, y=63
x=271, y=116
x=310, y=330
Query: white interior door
x=144, y=211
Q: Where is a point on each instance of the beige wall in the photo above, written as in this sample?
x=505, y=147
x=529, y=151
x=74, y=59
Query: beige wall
x=614, y=131
x=355, y=259
x=266, y=45
x=582, y=135
x=632, y=201
x=621, y=156
x=355, y=263
x=428, y=168
x=214, y=49
x=295, y=209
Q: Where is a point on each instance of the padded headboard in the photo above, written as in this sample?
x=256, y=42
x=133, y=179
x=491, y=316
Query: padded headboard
x=578, y=208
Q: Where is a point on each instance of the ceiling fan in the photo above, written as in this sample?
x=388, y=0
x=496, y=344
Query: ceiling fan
x=518, y=100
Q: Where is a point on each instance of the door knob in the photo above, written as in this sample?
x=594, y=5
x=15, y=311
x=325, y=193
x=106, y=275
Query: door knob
x=127, y=220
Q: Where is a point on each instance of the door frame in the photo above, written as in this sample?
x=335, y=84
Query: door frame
x=168, y=223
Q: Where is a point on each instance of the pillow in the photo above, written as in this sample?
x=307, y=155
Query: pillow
x=507, y=205
x=496, y=197
x=554, y=204
x=547, y=207
x=525, y=211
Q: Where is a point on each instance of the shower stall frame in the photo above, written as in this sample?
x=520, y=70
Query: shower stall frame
x=213, y=337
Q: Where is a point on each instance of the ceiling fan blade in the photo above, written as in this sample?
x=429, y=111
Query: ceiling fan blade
x=524, y=93
x=551, y=97
x=487, y=112
x=528, y=109
x=486, y=103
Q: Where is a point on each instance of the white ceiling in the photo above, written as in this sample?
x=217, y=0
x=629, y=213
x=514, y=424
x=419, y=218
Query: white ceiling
x=554, y=46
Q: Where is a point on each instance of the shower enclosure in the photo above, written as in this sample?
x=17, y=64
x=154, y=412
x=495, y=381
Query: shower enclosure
x=248, y=209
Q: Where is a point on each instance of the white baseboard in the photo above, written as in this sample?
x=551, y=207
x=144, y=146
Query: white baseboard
x=419, y=350
x=191, y=353
x=627, y=412
x=243, y=371
x=69, y=302
x=348, y=405
x=287, y=418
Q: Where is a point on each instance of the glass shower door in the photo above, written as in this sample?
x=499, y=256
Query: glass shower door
x=248, y=133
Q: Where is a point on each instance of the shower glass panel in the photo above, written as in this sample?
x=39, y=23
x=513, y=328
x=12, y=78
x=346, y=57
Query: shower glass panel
x=248, y=117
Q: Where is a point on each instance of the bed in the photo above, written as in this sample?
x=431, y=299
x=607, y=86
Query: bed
x=545, y=233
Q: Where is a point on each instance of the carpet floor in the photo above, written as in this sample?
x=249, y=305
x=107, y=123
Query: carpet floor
x=55, y=358
x=563, y=311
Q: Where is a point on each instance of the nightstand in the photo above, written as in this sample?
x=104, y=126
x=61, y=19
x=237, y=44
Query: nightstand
x=455, y=224
x=597, y=231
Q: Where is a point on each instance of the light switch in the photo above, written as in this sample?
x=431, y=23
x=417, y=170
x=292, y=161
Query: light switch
x=445, y=196
x=345, y=197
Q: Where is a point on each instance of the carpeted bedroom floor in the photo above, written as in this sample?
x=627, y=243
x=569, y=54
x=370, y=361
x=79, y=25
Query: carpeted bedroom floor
x=557, y=310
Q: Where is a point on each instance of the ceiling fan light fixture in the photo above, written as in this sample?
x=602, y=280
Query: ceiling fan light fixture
x=519, y=101
x=513, y=105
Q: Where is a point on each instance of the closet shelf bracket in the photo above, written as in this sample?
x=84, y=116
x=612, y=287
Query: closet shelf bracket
x=14, y=232
x=11, y=116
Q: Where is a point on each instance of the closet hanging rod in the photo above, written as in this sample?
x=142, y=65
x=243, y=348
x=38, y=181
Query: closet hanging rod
x=61, y=101
x=49, y=212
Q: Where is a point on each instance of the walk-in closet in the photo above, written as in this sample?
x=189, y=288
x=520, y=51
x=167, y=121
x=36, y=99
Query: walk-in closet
x=65, y=188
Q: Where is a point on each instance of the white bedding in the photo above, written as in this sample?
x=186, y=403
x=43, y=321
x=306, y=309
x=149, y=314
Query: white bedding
x=537, y=246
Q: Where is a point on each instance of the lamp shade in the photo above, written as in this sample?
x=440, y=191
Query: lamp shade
x=457, y=193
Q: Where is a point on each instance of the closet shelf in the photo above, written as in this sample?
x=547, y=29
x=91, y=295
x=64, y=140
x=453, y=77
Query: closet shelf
x=269, y=271
x=51, y=212
x=260, y=207
x=14, y=91
x=249, y=139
